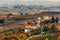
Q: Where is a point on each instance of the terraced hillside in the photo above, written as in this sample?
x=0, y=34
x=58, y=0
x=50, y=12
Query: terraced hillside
x=55, y=36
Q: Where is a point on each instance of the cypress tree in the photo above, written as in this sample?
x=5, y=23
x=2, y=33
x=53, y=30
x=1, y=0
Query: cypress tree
x=53, y=20
x=57, y=19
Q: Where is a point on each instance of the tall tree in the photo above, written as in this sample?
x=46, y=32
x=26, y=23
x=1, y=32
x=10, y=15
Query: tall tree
x=53, y=20
x=57, y=19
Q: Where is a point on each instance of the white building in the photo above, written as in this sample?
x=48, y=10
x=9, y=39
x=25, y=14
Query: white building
x=27, y=30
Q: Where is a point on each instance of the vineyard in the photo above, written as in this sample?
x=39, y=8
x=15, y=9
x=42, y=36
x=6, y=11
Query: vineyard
x=55, y=36
x=22, y=36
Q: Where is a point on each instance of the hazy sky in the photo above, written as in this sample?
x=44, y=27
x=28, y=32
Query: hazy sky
x=27, y=2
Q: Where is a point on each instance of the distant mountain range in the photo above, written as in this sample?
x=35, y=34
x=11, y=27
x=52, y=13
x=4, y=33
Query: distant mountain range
x=32, y=8
x=41, y=7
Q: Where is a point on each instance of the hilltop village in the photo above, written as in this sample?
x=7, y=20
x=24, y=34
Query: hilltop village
x=14, y=24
